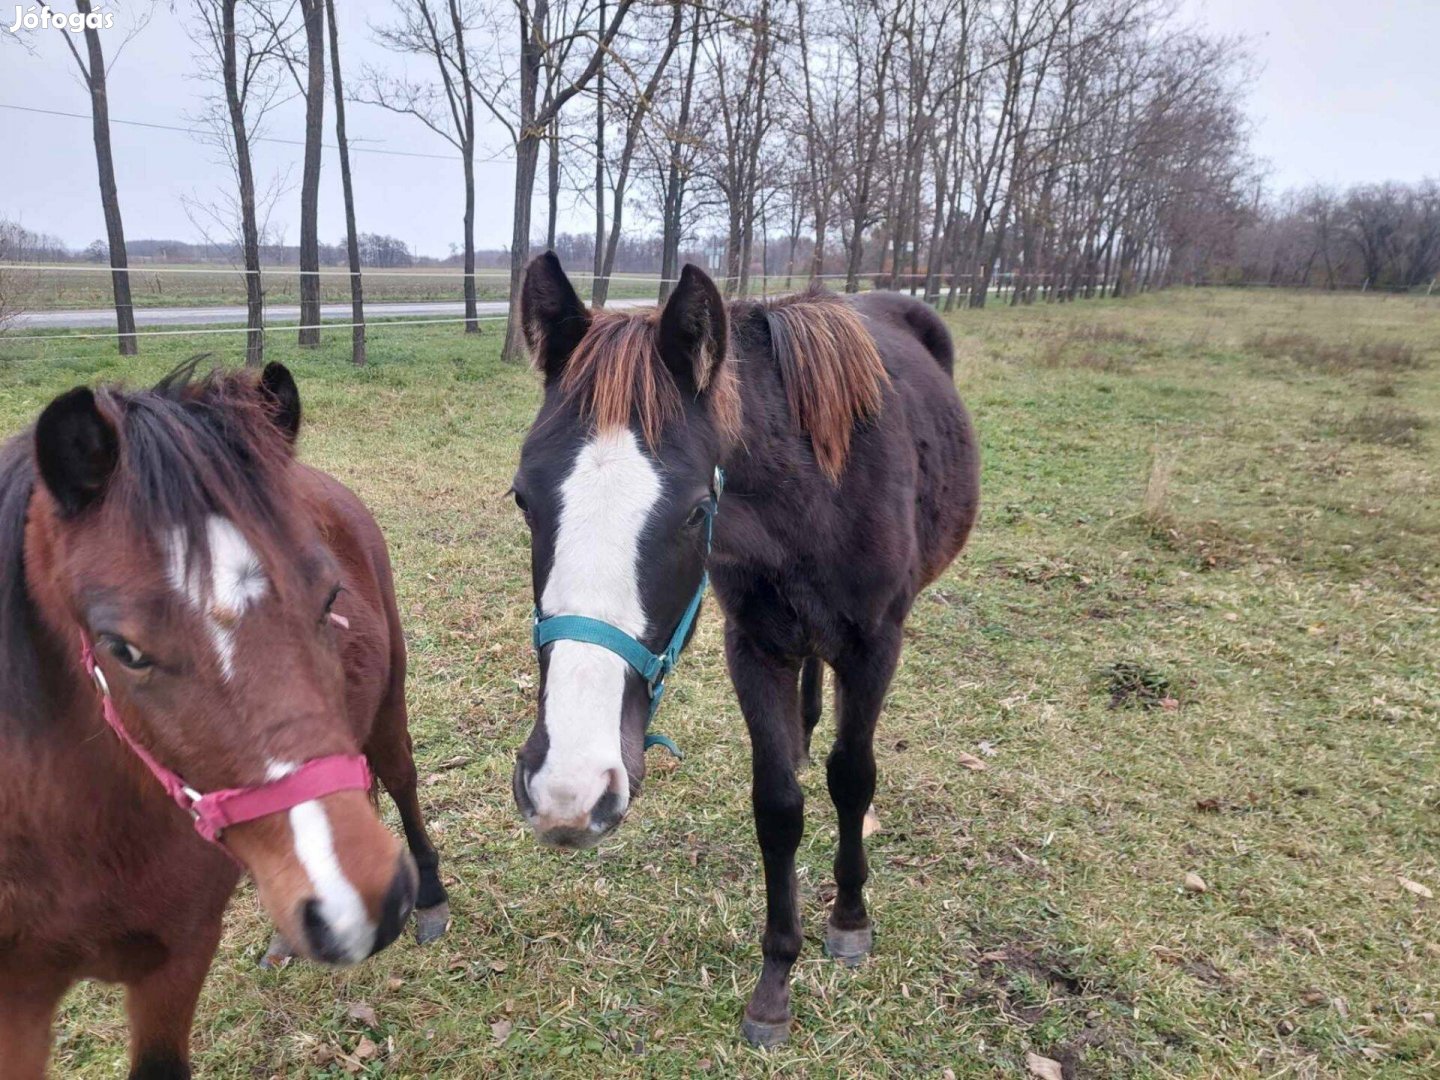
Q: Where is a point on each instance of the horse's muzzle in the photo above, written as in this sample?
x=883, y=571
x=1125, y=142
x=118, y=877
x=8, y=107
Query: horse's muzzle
x=581, y=831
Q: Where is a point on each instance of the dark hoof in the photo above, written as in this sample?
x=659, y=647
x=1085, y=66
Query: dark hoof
x=765, y=1035
x=431, y=923
x=849, y=946
x=277, y=954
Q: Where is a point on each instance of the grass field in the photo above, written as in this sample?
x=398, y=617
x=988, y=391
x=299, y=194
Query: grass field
x=1196, y=633
x=79, y=287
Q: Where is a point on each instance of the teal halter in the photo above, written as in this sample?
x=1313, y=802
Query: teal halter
x=652, y=667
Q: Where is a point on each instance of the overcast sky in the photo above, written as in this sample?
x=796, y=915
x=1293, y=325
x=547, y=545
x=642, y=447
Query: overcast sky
x=1345, y=92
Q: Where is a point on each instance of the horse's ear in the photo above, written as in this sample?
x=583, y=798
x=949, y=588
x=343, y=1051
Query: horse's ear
x=693, y=331
x=277, y=387
x=76, y=448
x=552, y=315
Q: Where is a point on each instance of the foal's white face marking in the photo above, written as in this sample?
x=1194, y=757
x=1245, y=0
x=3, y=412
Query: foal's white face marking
x=604, y=505
x=237, y=581
x=340, y=905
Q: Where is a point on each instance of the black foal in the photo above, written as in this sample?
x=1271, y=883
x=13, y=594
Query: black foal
x=851, y=480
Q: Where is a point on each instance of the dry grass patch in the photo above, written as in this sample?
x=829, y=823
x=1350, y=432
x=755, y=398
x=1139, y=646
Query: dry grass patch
x=1385, y=425
x=1336, y=358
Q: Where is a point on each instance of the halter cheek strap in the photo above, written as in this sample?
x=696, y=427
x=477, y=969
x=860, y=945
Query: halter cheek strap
x=652, y=667
x=213, y=813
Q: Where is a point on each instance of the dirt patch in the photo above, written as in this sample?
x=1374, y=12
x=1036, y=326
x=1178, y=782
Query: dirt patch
x=1134, y=683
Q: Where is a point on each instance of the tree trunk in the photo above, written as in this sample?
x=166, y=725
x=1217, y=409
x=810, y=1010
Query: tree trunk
x=597, y=293
x=527, y=155
x=249, y=229
x=314, y=13
x=109, y=194
x=553, y=189
x=352, y=237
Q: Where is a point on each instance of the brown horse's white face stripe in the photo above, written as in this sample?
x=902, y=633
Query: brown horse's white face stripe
x=349, y=923
x=237, y=581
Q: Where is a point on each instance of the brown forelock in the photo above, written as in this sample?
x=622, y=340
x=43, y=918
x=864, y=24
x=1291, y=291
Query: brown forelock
x=617, y=374
x=194, y=447
x=831, y=370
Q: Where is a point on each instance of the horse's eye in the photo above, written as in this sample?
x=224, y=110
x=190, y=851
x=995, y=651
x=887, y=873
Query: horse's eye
x=521, y=503
x=697, y=514
x=330, y=600
x=128, y=655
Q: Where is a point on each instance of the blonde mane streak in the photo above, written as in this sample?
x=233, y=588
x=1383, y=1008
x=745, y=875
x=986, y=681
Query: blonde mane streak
x=617, y=371
x=832, y=372
x=618, y=376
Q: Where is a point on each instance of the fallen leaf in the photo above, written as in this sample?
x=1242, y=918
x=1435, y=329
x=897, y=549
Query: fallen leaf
x=1415, y=887
x=365, y=1049
x=500, y=1031
x=1169, y=704
x=872, y=823
x=1195, y=883
x=395, y=982
x=948, y=1074
x=1043, y=1067
x=1232, y=616
x=362, y=1012
x=971, y=762
x=498, y=966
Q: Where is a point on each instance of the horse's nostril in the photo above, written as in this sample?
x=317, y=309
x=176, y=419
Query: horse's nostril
x=520, y=784
x=398, y=904
x=318, y=934
x=607, y=813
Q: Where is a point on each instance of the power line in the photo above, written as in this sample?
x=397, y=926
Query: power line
x=202, y=133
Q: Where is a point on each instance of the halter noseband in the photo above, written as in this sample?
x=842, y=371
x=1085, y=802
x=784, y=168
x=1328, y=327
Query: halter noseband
x=217, y=811
x=652, y=667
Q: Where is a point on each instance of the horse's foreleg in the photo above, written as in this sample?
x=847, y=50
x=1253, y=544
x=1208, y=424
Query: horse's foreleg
x=161, y=1007
x=768, y=693
x=27, y=1013
x=391, y=755
x=862, y=680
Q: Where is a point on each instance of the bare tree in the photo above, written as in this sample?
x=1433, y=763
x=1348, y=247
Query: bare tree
x=514, y=99
x=313, y=13
x=352, y=236
x=437, y=29
x=249, y=39
x=92, y=71
x=635, y=107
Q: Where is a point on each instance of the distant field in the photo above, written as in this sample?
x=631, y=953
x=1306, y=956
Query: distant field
x=1196, y=633
x=82, y=287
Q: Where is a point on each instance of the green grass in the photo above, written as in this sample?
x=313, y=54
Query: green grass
x=1196, y=632
x=79, y=286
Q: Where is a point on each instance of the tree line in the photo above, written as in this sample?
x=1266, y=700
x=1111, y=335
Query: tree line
x=1378, y=236
x=1069, y=148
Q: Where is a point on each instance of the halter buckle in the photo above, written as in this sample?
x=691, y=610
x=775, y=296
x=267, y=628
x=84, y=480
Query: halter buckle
x=98, y=677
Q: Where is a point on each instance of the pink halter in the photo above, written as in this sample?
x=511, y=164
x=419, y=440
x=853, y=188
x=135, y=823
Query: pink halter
x=217, y=811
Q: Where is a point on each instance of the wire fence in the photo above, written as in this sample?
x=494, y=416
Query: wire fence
x=58, y=302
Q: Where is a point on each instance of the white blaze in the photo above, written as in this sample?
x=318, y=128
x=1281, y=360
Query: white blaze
x=236, y=582
x=340, y=905
x=604, y=504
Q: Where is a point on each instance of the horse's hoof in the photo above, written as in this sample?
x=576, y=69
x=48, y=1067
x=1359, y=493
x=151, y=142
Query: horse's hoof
x=431, y=923
x=277, y=954
x=764, y=1034
x=849, y=946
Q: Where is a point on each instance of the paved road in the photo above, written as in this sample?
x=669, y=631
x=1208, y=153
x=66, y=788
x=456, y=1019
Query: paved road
x=275, y=314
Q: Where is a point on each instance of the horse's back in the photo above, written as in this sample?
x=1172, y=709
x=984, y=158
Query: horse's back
x=919, y=355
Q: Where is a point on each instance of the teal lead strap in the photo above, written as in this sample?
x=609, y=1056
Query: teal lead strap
x=652, y=667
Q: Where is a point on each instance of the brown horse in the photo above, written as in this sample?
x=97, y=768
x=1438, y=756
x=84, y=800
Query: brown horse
x=239, y=611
